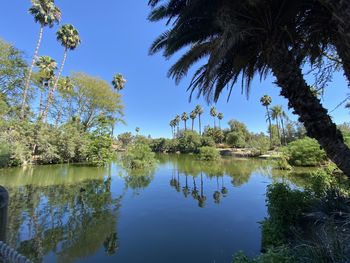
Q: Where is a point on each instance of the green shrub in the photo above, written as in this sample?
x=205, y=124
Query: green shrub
x=277, y=255
x=215, y=134
x=207, y=141
x=282, y=164
x=5, y=155
x=305, y=152
x=207, y=153
x=285, y=208
x=320, y=182
x=189, y=142
x=259, y=143
x=236, y=139
x=138, y=156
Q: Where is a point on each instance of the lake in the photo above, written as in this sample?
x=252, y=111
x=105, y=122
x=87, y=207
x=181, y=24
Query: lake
x=184, y=210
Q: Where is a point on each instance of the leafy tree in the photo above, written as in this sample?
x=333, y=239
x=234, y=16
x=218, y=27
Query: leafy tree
x=184, y=117
x=46, y=14
x=189, y=142
x=207, y=153
x=12, y=73
x=217, y=32
x=138, y=156
x=236, y=139
x=216, y=134
x=69, y=38
x=125, y=138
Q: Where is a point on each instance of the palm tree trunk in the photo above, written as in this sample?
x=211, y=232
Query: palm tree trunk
x=283, y=132
x=41, y=100
x=27, y=83
x=192, y=123
x=53, y=89
x=278, y=130
x=200, y=124
x=185, y=126
x=219, y=124
x=214, y=122
x=270, y=125
x=315, y=118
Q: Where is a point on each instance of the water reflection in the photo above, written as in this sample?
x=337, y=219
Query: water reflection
x=69, y=212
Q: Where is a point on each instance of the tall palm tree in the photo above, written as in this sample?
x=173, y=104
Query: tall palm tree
x=172, y=125
x=184, y=117
x=276, y=111
x=65, y=87
x=193, y=116
x=137, y=129
x=278, y=41
x=213, y=113
x=47, y=67
x=199, y=111
x=278, y=114
x=266, y=101
x=177, y=122
x=46, y=14
x=118, y=82
x=220, y=117
x=69, y=38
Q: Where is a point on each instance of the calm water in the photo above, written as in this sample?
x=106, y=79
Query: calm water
x=182, y=211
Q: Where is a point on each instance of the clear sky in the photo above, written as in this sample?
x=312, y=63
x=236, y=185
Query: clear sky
x=115, y=39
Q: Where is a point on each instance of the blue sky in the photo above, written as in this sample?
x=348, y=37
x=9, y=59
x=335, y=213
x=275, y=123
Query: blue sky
x=115, y=38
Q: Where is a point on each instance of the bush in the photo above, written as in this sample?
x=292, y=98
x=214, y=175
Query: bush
x=282, y=164
x=236, y=139
x=215, y=134
x=305, y=152
x=207, y=141
x=189, y=142
x=285, y=208
x=207, y=153
x=5, y=155
x=259, y=143
x=138, y=156
x=277, y=255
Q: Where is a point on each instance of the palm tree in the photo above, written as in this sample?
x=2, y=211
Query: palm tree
x=199, y=111
x=266, y=101
x=46, y=14
x=47, y=67
x=220, y=117
x=137, y=129
x=274, y=113
x=213, y=113
x=65, y=87
x=184, y=117
x=172, y=125
x=118, y=82
x=69, y=38
x=177, y=122
x=278, y=114
x=276, y=42
x=193, y=116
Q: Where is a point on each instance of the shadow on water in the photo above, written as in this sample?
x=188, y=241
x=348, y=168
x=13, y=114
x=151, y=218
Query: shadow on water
x=66, y=213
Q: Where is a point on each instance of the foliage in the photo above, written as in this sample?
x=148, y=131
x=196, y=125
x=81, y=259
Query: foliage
x=305, y=152
x=207, y=153
x=236, y=139
x=189, y=142
x=138, y=156
x=125, y=138
x=280, y=254
x=215, y=133
x=5, y=155
x=100, y=151
x=207, y=141
x=283, y=219
x=259, y=143
x=282, y=163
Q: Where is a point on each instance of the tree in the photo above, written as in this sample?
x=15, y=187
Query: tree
x=118, y=82
x=137, y=129
x=172, y=125
x=278, y=115
x=69, y=38
x=12, y=73
x=92, y=97
x=220, y=117
x=47, y=67
x=184, y=117
x=213, y=113
x=266, y=101
x=177, y=122
x=193, y=116
x=46, y=14
x=199, y=111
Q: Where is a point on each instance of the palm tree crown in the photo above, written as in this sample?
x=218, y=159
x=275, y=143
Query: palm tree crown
x=118, y=82
x=220, y=116
x=265, y=100
x=47, y=67
x=68, y=36
x=45, y=12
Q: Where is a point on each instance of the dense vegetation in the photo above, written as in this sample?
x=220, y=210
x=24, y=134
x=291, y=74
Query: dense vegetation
x=49, y=118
